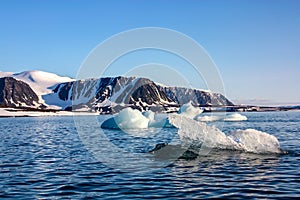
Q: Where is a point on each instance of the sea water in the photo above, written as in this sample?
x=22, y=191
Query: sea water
x=50, y=158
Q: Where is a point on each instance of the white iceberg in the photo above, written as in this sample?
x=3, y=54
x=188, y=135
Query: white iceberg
x=251, y=140
x=149, y=114
x=198, y=134
x=157, y=122
x=129, y=118
x=235, y=117
x=188, y=110
x=208, y=118
x=228, y=118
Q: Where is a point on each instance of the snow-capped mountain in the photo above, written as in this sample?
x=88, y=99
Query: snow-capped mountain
x=14, y=93
x=5, y=74
x=39, y=81
x=110, y=94
x=107, y=95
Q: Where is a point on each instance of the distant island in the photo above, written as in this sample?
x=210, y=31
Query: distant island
x=48, y=92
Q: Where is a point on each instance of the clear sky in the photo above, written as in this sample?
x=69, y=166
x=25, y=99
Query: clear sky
x=254, y=43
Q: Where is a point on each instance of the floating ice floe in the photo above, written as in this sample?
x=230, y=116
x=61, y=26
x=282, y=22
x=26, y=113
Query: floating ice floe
x=188, y=110
x=201, y=136
x=228, y=118
x=197, y=134
x=251, y=140
x=129, y=118
x=208, y=118
x=235, y=117
x=157, y=121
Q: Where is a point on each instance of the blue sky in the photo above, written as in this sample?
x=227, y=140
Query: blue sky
x=255, y=44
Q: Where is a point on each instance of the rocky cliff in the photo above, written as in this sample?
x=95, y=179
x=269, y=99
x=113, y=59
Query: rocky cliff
x=111, y=94
x=14, y=93
x=104, y=95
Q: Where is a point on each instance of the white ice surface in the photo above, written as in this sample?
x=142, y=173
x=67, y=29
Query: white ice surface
x=188, y=110
x=134, y=119
x=199, y=134
x=131, y=119
x=40, y=81
x=219, y=117
x=235, y=117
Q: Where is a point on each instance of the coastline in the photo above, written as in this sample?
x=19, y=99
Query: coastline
x=17, y=112
x=13, y=112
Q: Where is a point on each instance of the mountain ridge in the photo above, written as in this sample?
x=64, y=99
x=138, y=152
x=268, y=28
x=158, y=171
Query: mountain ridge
x=110, y=94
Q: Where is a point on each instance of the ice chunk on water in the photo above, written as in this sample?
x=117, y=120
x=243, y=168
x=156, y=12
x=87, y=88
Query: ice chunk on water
x=127, y=119
x=155, y=121
x=198, y=134
x=211, y=118
x=134, y=119
x=252, y=140
x=188, y=110
x=235, y=117
x=149, y=114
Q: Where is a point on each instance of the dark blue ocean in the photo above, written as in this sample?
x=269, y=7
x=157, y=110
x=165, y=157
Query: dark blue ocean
x=48, y=158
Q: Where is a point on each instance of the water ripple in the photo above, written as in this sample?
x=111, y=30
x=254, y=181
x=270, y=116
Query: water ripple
x=44, y=158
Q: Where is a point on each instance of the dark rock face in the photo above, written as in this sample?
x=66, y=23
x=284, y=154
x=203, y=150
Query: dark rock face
x=138, y=93
x=129, y=91
x=14, y=93
x=182, y=95
x=63, y=90
x=111, y=94
x=148, y=92
x=103, y=90
x=108, y=95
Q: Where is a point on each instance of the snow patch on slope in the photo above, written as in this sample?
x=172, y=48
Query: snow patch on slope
x=40, y=81
x=6, y=74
